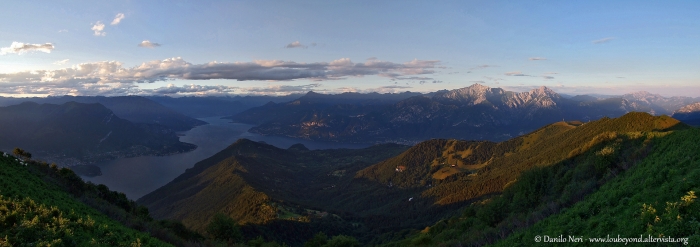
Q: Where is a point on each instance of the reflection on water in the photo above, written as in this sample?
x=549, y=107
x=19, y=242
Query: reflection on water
x=138, y=176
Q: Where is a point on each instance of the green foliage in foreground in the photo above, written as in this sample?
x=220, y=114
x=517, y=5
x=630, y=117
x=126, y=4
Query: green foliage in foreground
x=656, y=197
x=34, y=212
x=619, y=186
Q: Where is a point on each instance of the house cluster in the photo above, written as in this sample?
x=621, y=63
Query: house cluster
x=400, y=168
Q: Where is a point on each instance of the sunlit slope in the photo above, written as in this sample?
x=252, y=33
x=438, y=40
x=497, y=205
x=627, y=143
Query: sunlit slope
x=455, y=171
x=666, y=155
x=35, y=211
x=658, y=197
x=252, y=182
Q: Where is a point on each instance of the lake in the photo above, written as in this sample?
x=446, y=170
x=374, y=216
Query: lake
x=137, y=176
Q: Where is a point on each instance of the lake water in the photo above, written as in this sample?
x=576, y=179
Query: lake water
x=138, y=176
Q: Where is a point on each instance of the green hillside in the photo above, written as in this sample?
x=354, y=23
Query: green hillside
x=655, y=198
x=383, y=194
x=611, y=184
x=631, y=175
x=459, y=171
x=36, y=211
x=259, y=184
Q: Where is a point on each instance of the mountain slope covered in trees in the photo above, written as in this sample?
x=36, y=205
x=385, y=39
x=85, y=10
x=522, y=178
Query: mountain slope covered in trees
x=82, y=132
x=634, y=184
x=135, y=109
x=43, y=205
x=261, y=185
x=380, y=196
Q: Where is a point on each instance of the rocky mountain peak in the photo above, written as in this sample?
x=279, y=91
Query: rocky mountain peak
x=540, y=97
x=694, y=107
x=472, y=95
x=643, y=96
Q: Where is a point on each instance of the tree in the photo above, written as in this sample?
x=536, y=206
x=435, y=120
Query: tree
x=319, y=240
x=222, y=227
x=342, y=241
x=20, y=153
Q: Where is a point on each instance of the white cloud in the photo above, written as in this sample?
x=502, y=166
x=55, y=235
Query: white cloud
x=111, y=77
x=603, y=40
x=21, y=48
x=483, y=66
x=297, y=44
x=61, y=62
x=515, y=73
x=537, y=58
x=117, y=19
x=148, y=44
x=99, y=29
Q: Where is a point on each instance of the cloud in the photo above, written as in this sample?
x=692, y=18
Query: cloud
x=61, y=62
x=383, y=89
x=296, y=44
x=63, y=31
x=496, y=80
x=191, y=89
x=21, y=48
x=98, y=28
x=117, y=19
x=548, y=77
x=406, y=78
x=483, y=66
x=148, y=44
x=537, y=59
x=603, y=40
x=515, y=73
x=112, y=77
x=285, y=89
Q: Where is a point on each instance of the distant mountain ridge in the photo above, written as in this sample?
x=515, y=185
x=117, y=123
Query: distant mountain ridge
x=136, y=109
x=476, y=112
x=689, y=114
x=199, y=107
x=82, y=133
x=656, y=104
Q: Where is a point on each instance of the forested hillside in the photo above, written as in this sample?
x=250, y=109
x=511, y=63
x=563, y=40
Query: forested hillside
x=601, y=189
x=80, y=132
x=135, y=109
x=267, y=189
x=42, y=205
x=384, y=193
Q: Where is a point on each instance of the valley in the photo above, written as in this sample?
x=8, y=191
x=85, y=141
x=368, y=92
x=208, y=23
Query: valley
x=290, y=189
x=137, y=176
x=349, y=123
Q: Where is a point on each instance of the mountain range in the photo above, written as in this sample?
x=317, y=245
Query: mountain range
x=380, y=190
x=689, y=114
x=612, y=175
x=132, y=108
x=476, y=112
x=74, y=133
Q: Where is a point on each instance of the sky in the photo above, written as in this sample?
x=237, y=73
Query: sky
x=180, y=48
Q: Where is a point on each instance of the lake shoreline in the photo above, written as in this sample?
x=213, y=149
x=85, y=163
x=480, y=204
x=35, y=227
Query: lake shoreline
x=137, y=176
